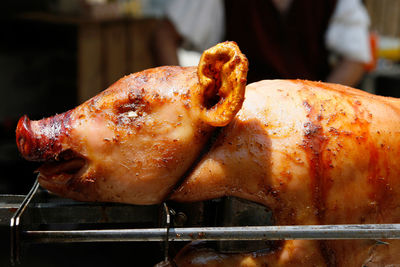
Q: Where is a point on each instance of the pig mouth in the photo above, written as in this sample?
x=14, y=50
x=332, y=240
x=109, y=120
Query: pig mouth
x=65, y=165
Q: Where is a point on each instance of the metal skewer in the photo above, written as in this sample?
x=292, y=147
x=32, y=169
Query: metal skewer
x=309, y=232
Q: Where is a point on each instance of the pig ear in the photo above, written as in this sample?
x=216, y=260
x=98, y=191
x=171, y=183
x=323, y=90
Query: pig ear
x=222, y=75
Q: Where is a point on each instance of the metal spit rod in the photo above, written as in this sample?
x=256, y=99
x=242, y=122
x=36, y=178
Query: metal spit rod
x=309, y=232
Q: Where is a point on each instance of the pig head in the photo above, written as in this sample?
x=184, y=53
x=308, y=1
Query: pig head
x=133, y=142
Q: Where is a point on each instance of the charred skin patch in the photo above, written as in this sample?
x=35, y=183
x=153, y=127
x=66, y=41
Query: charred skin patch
x=135, y=101
x=314, y=143
x=127, y=111
x=144, y=94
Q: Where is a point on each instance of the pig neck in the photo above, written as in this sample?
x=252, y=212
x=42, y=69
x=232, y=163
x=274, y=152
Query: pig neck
x=213, y=137
x=227, y=166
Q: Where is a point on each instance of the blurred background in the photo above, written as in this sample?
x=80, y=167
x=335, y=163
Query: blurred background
x=57, y=54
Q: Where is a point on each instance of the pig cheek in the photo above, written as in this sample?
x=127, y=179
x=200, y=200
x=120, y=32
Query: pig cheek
x=172, y=123
x=142, y=172
x=93, y=136
x=134, y=181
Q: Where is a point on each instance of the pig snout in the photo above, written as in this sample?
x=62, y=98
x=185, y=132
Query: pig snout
x=41, y=140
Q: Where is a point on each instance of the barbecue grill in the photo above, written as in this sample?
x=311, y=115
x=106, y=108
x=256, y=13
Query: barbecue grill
x=42, y=218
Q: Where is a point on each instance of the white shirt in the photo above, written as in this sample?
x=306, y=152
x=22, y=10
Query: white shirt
x=348, y=31
x=201, y=23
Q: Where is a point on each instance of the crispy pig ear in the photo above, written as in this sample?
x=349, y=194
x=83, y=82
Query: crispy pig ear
x=222, y=75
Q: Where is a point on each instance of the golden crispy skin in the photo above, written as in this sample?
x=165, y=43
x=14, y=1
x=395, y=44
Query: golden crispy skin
x=314, y=153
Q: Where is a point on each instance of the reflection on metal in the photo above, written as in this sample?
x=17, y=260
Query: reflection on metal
x=15, y=224
x=9, y=204
x=309, y=232
x=167, y=225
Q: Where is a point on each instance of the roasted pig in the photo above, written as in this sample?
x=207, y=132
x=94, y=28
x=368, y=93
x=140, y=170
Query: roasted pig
x=314, y=153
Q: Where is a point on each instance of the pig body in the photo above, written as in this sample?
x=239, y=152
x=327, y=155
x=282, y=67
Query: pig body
x=314, y=153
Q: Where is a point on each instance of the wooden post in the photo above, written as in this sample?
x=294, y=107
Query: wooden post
x=90, y=78
x=115, y=51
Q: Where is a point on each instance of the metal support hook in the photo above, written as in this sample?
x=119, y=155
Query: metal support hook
x=15, y=225
x=168, y=226
x=168, y=212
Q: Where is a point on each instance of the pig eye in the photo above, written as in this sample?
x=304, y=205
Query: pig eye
x=129, y=115
x=126, y=108
x=131, y=109
x=134, y=103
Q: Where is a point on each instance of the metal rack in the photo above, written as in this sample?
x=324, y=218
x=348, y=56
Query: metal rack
x=166, y=233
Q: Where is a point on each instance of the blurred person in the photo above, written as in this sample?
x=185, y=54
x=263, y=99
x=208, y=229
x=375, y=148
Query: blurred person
x=295, y=38
x=190, y=24
x=325, y=40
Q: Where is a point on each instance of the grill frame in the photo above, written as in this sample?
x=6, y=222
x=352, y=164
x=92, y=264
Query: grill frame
x=167, y=234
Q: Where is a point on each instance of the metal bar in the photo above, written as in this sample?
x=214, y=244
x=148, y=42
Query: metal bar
x=167, y=225
x=309, y=232
x=15, y=222
x=9, y=204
